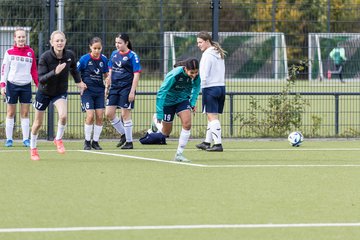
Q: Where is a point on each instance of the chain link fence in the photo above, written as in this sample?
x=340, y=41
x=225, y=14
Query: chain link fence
x=264, y=41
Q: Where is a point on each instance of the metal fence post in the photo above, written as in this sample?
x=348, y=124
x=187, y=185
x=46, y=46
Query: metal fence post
x=328, y=15
x=273, y=17
x=162, y=70
x=103, y=21
x=215, y=6
x=60, y=19
x=336, y=114
x=231, y=114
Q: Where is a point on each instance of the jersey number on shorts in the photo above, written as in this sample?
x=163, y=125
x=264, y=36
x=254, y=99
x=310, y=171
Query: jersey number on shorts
x=37, y=105
x=167, y=117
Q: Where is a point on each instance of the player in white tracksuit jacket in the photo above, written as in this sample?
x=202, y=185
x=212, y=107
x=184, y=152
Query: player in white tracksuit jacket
x=18, y=69
x=212, y=75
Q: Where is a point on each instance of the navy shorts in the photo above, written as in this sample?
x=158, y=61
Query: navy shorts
x=169, y=111
x=213, y=99
x=42, y=101
x=16, y=93
x=120, y=97
x=92, y=100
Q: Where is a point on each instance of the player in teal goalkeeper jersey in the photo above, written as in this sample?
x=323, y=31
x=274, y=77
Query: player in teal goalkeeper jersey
x=178, y=95
x=338, y=56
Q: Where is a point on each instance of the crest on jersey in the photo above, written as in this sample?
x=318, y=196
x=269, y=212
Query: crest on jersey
x=118, y=63
x=125, y=58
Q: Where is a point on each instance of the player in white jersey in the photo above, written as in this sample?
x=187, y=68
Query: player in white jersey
x=212, y=75
x=17, y=71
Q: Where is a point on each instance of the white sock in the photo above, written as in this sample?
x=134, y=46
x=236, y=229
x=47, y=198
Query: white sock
x=9, y=128
x=97, y=132
x=25, y=128
x=118, y=125
x=216, y=131
x=128, y=126
x=208, y=137
x=88, y=131
x=60, y=131
x=159, y=127
x=33, y=141
x=183, y=140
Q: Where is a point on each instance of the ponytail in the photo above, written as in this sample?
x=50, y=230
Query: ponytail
x=126, y=39
x=220, y=50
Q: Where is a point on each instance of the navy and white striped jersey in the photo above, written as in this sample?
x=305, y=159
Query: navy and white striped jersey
x=123, y=67
x=92, y=71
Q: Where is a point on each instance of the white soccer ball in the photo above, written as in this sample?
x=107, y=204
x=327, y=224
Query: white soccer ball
x=295, y=139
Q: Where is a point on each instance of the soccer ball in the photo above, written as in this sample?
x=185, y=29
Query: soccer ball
x=295, y=139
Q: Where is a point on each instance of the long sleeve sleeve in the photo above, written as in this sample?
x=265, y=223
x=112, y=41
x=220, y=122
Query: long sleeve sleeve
x=161, y=95
x=74, y=71
x=5, y=66
x=44, y=72
x=195, y=91
x=34, y=72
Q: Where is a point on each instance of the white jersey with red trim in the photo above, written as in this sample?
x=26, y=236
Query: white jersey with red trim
x=19, y=66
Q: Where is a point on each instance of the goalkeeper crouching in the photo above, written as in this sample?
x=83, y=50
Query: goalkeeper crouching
x=178, y=95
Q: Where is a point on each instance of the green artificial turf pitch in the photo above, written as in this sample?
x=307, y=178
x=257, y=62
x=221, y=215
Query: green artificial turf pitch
x=255, y=189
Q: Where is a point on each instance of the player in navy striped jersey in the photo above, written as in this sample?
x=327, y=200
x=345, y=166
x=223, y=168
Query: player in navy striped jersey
x=124, y=74
x=93, y=68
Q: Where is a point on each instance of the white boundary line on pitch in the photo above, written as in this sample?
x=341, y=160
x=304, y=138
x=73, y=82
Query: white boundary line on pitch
x=283, y=166
x=142, y=158
x=225, y=166
x=166, y=227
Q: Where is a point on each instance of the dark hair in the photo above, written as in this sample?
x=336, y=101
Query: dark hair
x=95, y=40
x=126, y=38
x=190, y=64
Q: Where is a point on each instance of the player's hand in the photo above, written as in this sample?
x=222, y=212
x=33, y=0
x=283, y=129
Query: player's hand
x=82, y=86
x=107, y=82
x=193, y=110
x=131, y=97
x=107, y=90
x=3, y=91
x=59, y=68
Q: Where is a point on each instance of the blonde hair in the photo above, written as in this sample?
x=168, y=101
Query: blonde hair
x=18, y=29
x=207, y=37
x=56, y=32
